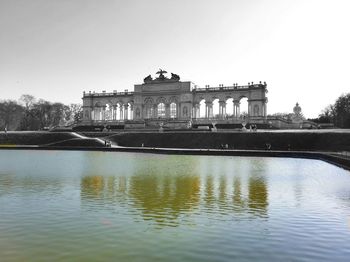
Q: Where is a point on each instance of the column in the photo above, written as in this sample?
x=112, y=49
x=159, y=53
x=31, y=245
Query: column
x=104, y=113
x=167, y=110
x=121, y=112
x=236, y=109
x=131, y=112
x=126, y=111
x=222, y=109
x=209, y=109
x=113, y=113
x=155, y=111
x=195, y=111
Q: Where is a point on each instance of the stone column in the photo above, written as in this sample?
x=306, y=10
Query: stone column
x=143, y=113
x=113, y=112
x=236, y=109
x=104, y=113
x=126, y=111
x=222, y=109
x=167, y=110
x=209, y=109
x=93, y=114
x=155, y=111
x=198, y=110
x=131, y=111
x=121, y=112
x=195, y=111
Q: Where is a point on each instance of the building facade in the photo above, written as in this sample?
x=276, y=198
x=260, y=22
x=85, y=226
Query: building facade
x=169, y=101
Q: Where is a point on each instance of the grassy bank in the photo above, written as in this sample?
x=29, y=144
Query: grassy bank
x=36, y=138
x=303, y=141
x=294, y=141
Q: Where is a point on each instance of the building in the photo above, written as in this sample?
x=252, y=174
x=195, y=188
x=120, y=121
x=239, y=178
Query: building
x=167, y=101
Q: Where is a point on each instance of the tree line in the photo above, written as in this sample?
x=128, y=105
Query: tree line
x=29, y=113
x=337, y=113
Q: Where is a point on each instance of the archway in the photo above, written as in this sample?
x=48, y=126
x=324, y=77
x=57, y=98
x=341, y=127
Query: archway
x=108, y=112
x=216, y=111
x=202, y=108
x=97, y=112
x=229, y=107
x=119, y=111
x=243, y=107
x=130, y=111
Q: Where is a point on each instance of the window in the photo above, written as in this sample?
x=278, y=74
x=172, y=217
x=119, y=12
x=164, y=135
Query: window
x=173, y=110
x=161, y=110
x=149, y=111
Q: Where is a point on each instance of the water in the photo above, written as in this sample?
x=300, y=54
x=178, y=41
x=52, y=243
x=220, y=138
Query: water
x=99, y=206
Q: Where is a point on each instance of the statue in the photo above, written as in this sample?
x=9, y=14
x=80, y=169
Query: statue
x=175, y=77
x=148, y=79
x=297, y=110
x=161, y=74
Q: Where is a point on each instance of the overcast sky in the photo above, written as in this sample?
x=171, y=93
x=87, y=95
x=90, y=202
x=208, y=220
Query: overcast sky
x=56, y=49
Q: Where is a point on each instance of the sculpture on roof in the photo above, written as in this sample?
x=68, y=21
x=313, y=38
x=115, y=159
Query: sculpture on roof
x=161, y=74
x=175, y=77
x=148, y=79
x=161, y=78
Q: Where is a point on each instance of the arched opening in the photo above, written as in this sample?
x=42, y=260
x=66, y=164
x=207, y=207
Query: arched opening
x=97, y=112
x=243, y=107
x=229, y=107
x=108, y=112
x=119, y=112
x=149, y=110
x=130, y=111
x=173, y=110
x=161, y=110
x=216, y=111
x=202, y=108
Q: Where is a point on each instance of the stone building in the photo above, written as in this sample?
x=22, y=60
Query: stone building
x=174, y=103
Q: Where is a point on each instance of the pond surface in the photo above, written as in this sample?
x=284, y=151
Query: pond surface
x=110, y=206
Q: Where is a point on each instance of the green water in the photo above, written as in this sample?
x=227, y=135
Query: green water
x=99, y=206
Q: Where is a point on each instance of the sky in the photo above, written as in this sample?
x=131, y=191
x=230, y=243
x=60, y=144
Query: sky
x=56, y=49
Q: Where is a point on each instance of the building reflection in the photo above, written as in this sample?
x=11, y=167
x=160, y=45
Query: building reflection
x=257, y=196
x=166, y=195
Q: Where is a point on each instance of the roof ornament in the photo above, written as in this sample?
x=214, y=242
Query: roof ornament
x=161, y=74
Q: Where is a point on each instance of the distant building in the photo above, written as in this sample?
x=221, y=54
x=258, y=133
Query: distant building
x=165, y=101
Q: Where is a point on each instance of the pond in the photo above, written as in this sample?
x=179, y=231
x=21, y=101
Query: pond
x=113, y=206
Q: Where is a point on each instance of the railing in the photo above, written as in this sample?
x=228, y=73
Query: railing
x=108, y=94
x=234, y=87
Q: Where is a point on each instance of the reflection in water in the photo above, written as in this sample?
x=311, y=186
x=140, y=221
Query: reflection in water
x=257, y=198
x=164, y=198
x=128, y=207
x=238, y=202
x=163, y=191
x=209, y=191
